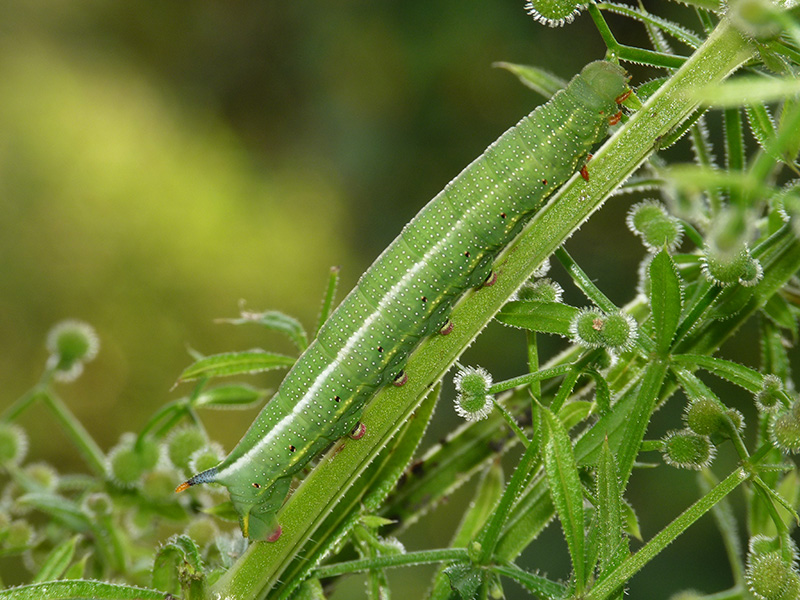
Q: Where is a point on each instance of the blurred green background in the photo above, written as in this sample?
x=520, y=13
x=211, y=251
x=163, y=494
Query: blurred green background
x=162, y=162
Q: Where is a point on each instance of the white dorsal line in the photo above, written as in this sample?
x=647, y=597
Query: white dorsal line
x=308, y=397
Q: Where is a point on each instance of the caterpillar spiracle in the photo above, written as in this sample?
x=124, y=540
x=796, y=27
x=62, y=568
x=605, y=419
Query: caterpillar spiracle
x=409, y=291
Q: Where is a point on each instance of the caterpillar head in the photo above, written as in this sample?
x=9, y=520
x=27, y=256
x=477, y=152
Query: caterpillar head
x=604, y=82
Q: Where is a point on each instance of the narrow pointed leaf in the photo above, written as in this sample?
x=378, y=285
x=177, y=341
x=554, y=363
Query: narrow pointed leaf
x=665, y=300
x=774, y=356
x=748, y=90
x=609, y=510
x=761, y=124
x=236, y=363
x=787, y=142
x=80, y=588
x=60, y=508
x=566, y=491
x=275, y=321
x=328, y=299
x=681, y=34
x=639, y=417
x=736, y=373
x=57, y=562
x=78, y=569
x=544, y=317
x=539, y=80
x=239, y=396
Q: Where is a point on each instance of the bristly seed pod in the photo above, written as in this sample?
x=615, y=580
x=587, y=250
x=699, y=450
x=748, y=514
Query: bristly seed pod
x=768, y=398
x=657, y=228
x=785, y=429
x=593, y=328
x=541, y=290
x=71, y=344
x=553, y=13
x=473, y=402
x=687, y=450
x=13, y=444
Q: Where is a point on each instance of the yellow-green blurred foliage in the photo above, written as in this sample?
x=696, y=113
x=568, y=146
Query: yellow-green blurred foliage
x=145, y=216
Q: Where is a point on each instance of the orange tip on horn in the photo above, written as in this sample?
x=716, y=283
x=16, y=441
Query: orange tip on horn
x=183, y=486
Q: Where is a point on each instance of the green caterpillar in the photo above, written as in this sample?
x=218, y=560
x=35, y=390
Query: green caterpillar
x=409, y=291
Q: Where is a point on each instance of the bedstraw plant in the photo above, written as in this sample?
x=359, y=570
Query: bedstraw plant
x=721, y=247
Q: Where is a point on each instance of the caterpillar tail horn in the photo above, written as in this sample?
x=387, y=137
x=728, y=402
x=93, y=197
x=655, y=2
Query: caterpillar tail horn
x=207, y=476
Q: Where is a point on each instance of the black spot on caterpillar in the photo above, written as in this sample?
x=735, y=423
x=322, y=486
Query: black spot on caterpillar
x=512, y=178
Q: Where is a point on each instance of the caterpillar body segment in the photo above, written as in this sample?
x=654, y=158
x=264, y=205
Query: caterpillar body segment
x=408, y=293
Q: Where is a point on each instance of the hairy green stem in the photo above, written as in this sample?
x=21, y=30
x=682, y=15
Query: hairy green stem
x=423, y=557
x=76, y=432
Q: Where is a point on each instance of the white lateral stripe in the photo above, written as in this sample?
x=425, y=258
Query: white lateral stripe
x=342, y=354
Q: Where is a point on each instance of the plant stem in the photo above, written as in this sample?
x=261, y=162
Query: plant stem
x=423, y=557
x=662, y=539
x=76, y=432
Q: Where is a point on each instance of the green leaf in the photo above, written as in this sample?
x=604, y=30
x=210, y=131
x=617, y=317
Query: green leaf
x=613, y=546
x=602, y=395
x=275, y=321
x=58, y=507
x=638, y=418
x=539, y=80
x=78, y=569
x=787, y=142
x=75, y=589
x=650, y=87
x=374, y=521
x=310, y=589
x=692, y=386
x=574, y=412
x=542, y=587
x=566, y=491
x=236, y=363
x=789, y=490
x=57, y=562
x=670, y=27
x=237, y=396
x=774, y=355
x=736, y=373
x=544, y=317
x=631, y=521
x=748, y=90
